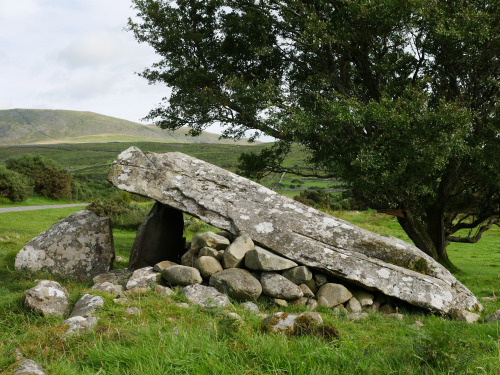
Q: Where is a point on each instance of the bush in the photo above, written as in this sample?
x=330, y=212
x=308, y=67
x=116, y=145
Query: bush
x=51, y=179
x=323, y=200
x=123, y=215
x=15, y=186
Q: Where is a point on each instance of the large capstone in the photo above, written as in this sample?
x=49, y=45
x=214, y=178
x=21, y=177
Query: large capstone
x=80, y=247
x=292, y=230
x=158, y=238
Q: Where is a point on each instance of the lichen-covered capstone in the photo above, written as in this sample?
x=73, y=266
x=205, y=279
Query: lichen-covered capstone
x=80, y=247
x=291, y=229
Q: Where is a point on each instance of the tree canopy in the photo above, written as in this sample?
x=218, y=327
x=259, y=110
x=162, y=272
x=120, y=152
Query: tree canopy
x=400, y=98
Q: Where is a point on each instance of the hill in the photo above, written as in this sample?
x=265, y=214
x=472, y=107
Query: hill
x=45, y=126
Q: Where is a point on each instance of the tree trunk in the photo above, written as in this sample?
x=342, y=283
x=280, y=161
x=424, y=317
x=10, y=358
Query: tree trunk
x=428, y=233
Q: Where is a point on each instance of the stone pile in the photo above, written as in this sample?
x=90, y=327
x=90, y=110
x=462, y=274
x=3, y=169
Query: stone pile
x=217, y=263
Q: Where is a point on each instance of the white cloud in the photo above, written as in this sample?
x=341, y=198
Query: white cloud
x=96, y=49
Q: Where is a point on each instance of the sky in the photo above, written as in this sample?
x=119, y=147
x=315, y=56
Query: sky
x=76, y=55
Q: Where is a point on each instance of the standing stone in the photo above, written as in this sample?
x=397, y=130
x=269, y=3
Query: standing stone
x=205, y=296
x=277, y=286
x=237, y=283
x=160, y=237
x=331, y=295
x=47, y=298
x=207, y=266
x=234, y=254
x=298, y=275
x=80, y=247
x=260, y=259
x=87, y=305
x=182, y=275
x=291, y=229
x=208, y=239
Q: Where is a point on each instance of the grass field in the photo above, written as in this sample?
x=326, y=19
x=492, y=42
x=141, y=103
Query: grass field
x=165, y=338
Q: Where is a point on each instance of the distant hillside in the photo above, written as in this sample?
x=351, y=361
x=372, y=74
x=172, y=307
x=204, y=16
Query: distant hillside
x=45, y=126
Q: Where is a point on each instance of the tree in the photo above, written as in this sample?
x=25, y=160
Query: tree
x=15, y=186
x=399, y=98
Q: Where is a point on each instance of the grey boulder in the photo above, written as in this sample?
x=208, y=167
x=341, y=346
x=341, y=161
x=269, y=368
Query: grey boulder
x=142, y=278
x=298, y=275
x=260, y=259
x=80, y=324
x=207, y=266
x=237, y=283
x=25, y=367
x=80, y=247
x=205, y=296
x=276, y=286
x=208, y=239
x=331, y=294
x=117, y=277
x=87, y=305
x=47, y=298
x=107, y=287
x=235, y=253
x=182, y=275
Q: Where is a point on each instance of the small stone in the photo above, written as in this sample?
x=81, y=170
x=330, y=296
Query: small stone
x=183, y=305
x=340, y=309
x=163, y=290
x=464, y=315
x=208, y=239
x=312, y=304
x=353, y=305
x=175, y=331
x=133, y=311
x=298, y=275
x=80, y=324
x=47, y=298
x=87, y=305
x=281, y=322
x=396, y=316
x=121, y=301
x=418, y=323
x=331, y=295
x=280, y=302
x=364, y=298
x=120, y=259
x=320, y=279
x=233, y=315
x=235, y=253
x=357, y=316
x=493, y=317
x=209, y=252
x=137, y=292
x=375, y=306
x=188, y=258
x=228, y=235
x=311, y=284
x=276, y=286
x=25, y=367
x=207, y=266
x=205, y=296
x=182, y=275
x=302, y=301
x=306, y=291
x=107, y=287
x=117, y=277
x=263, y=260
x=142, y=278
x=386, y=309
x=250, y=307
x=237, y=283
x=160, y=266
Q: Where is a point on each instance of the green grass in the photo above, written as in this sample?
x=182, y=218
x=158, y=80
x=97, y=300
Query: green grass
x=208, y=343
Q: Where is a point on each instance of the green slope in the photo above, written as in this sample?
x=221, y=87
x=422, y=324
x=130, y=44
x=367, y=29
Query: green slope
x=45, y=126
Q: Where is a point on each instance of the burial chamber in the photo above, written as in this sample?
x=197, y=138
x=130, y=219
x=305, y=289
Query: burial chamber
x=291, y=229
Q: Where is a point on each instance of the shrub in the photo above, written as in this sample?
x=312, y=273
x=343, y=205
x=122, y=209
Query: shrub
x=123, y=215
x=51, y=179
x=324, y=200
x=15, y=186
